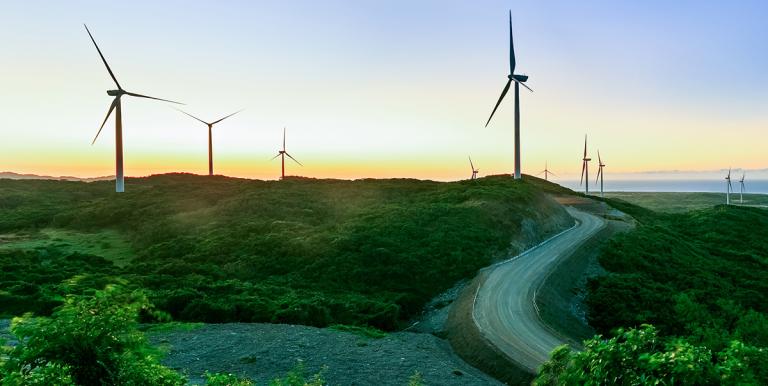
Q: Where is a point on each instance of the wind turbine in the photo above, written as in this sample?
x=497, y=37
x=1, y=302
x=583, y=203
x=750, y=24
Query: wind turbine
x=282, y=154
x=600, y=175
x=585, y=168
x=519, y=80
x=116, y=106
x=210, y=141
x=546, y=172
x=474, y=171
x=741, y=192
x=728, y=188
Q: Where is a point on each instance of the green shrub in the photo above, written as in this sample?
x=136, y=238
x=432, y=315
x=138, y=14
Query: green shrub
x=641, y=357
x=87, y=341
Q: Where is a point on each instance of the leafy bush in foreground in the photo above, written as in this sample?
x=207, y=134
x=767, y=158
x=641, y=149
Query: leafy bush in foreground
x=87, y=341
x=641, y=357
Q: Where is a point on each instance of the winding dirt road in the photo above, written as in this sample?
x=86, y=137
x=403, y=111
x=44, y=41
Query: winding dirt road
x=505, y=308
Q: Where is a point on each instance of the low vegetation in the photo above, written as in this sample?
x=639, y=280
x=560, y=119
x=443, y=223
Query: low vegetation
x=95, y=340
x=217, y=249
x=685, y=301
x=641, y=357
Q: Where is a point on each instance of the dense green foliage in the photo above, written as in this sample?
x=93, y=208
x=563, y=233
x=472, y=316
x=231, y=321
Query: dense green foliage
x=701, y=274
x=216, y=249
x=699, y=277
x=641, y=357
x=87, y=341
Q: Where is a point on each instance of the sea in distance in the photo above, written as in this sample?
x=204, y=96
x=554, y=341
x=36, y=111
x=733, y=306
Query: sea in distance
x=669, y=185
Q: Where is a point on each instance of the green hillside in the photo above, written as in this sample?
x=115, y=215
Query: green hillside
x=684, y=302
x=217, y=249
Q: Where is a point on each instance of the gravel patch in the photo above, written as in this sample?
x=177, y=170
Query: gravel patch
x=265, y=351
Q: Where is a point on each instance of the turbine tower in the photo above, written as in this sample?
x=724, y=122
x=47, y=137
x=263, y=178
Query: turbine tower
x=210, y=141
x=519, y=80
x=585, y=168
x=728, y=188
x=282, y=154
x=600, y=166
x=474, y=171
x=546, y=172
x=116, y=106
x=741, y=192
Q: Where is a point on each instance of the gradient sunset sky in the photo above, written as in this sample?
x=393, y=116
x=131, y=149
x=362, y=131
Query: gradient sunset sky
x=385, y=88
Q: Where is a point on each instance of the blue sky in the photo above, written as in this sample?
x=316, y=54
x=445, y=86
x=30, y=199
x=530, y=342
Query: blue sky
x=396, y=88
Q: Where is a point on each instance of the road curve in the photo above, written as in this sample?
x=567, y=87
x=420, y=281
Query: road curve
x=504, y=309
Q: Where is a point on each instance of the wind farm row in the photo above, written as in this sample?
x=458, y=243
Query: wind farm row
x=518, y=79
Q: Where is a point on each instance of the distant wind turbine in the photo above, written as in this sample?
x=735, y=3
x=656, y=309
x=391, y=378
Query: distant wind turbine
x=546, y=172
x=210, y=141
x=600, y=176
x=519, y=80
x=728, y=188
x=741, y=192
x=474, y=171
x=116, y=106
x=282, y=154
x=585, y=168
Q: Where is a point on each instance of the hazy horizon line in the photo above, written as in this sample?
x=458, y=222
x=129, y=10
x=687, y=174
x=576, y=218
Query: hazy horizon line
x=638, y=173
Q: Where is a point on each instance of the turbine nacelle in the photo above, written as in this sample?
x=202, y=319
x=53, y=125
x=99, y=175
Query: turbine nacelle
x=519, y=78
x=115, y=92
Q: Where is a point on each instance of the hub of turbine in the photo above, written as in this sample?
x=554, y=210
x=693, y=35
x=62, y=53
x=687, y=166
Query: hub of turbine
x=520, y=78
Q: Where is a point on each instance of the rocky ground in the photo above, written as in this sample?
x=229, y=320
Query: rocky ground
x=265, y=351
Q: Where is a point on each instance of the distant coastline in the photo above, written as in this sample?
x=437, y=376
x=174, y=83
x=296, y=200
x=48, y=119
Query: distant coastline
x=667, y=185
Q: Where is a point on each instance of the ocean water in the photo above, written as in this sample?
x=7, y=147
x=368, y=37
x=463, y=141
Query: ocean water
x=669, y=185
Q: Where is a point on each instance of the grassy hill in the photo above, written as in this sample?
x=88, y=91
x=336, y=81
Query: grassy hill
x=218, y=249
x=701, y=274
x=684, y=301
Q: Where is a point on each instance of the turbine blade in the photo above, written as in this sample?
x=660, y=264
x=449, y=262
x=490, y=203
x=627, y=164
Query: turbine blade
x=503, y=93
x=599, y=160
x=294, y=159
x=511, y=47
x=583, y=167
x=111, y=107
x=215, y=122
x=585, y=146
x=523, y=84
x=278, y=155
x=149, y=97
x=471, y=165
x=551, y=173
x=102, y=57
x=184, y=112
x=599, y=172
